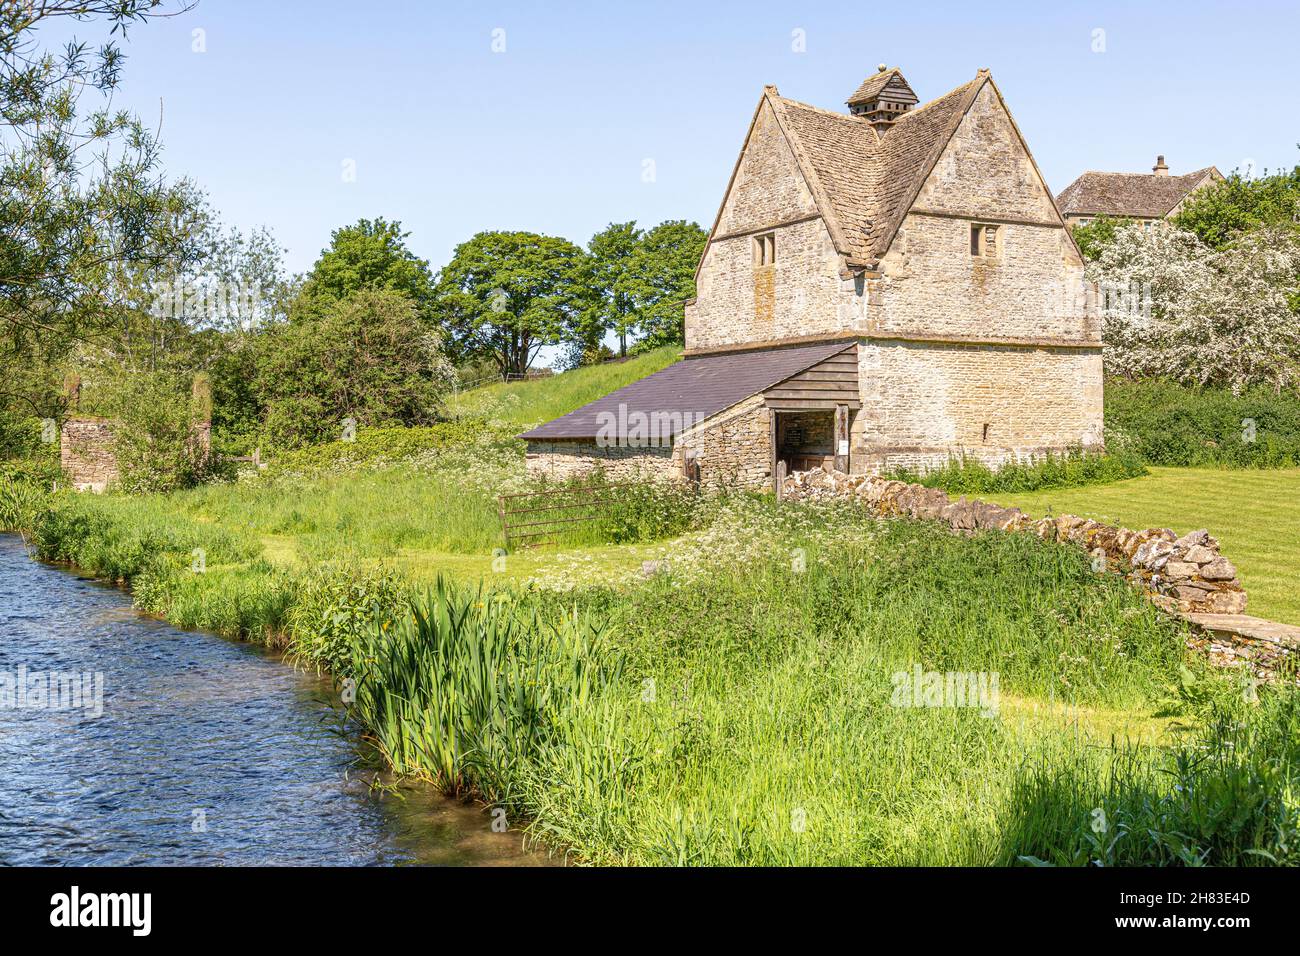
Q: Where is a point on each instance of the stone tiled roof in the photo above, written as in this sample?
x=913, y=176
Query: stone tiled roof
x=1137, y=195
x=869, y=179
x=688, y=391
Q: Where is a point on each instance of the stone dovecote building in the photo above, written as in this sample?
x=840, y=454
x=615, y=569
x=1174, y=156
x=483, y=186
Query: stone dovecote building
x=881, y=288
x=1145, y=197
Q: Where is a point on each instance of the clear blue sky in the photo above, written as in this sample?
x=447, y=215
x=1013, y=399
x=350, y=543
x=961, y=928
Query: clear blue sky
x=550, y=135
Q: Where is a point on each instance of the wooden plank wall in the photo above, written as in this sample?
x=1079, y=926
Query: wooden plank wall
x=832, y=381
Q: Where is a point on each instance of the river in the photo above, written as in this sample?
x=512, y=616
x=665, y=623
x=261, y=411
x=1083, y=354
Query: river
x=196, y=750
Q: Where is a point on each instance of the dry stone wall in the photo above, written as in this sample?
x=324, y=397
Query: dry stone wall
x=1184, y=574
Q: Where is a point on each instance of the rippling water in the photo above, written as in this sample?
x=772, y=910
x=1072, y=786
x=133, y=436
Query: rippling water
x=206, y=752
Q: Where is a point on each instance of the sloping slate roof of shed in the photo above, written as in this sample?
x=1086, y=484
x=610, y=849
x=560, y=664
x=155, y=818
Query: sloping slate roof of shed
x=695, y=387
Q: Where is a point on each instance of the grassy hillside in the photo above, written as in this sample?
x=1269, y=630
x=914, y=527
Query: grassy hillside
x=1252, y=512
x=540, y=400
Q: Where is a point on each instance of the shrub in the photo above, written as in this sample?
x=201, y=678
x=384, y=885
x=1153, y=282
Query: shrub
x=377, y=447
x=1170, y=424
x=335, y=606
x=1223, y=318
x=368, y=357
x=155, y=439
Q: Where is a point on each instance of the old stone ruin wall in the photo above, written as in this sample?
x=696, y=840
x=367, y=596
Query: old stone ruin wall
x=86, y=453
x=1183, y=575
x=87, y=446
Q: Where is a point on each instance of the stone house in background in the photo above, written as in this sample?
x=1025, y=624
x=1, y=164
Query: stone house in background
x=1145, y=197
x=884, y=287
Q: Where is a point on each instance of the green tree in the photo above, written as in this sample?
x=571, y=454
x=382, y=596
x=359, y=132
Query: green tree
x=610, y=251
x=366, y=358
x=1221, y=212
x=1093, y=238
x=80, y=193
x=505, y=295
x=660, y=277
x=370, y=255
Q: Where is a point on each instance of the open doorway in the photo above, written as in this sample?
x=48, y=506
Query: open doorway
x=805, y=440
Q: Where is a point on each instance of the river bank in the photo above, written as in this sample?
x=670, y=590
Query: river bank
x=198, y=751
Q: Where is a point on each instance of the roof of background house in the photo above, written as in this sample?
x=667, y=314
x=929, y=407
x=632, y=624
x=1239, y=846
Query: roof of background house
x=1144, y=195
x=864, y=180
x=688, y=391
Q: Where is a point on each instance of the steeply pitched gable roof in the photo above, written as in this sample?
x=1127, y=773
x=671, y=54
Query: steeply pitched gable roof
x=1143, y=195
x=688, y=391
x=863, y=181
x=873, y=86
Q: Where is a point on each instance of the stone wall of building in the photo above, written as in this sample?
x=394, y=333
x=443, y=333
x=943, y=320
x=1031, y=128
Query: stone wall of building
x=932, y=287
x=800, y=293
x=985, y=171
x=734, y=447
x=924, y=402
x=86, y=453
x=562, y=460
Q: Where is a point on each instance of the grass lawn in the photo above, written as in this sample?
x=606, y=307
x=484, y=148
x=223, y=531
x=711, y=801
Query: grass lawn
x=540, y=400
x=1254, y=514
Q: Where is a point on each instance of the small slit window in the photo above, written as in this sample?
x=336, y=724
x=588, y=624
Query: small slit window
x=765, y=249
x=985, y=240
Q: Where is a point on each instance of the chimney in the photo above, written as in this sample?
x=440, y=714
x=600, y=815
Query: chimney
x=1160, y=169
x=882, y=98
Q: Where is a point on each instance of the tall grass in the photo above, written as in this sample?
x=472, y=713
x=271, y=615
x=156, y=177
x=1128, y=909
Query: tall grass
x=465, y=689
x=1226, y=797
x=748, y=718
x=1073, y=469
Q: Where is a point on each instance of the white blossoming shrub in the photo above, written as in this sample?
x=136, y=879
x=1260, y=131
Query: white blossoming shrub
x=1199, y=316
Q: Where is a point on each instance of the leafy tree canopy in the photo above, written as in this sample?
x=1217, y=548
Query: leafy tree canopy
x=1223, y=211
x=610, y=251
x=1096, y=235
x=660, y=277
x=505, y=295
x=80, y=192
x=370, y=255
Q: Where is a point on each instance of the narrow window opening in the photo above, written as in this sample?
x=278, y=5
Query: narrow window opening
x=765, y=249
x=986, y=431
x=984, y=241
